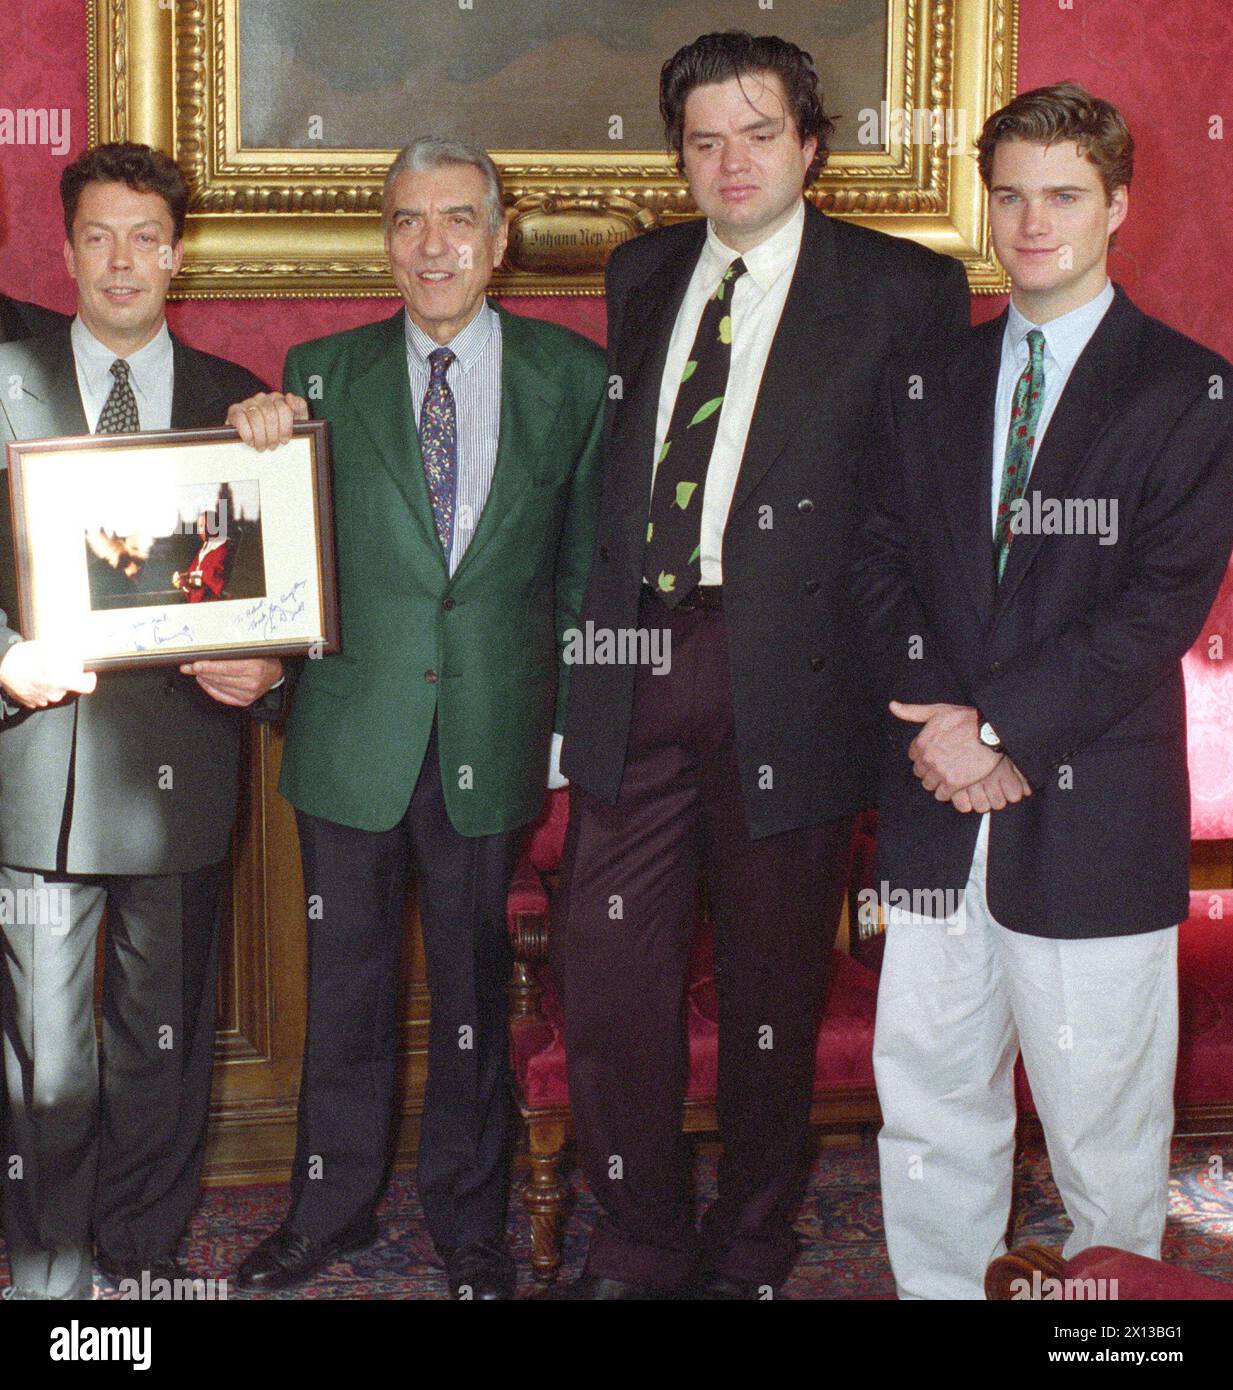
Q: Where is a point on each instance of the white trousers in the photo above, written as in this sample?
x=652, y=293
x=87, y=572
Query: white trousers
x=1096, y=1021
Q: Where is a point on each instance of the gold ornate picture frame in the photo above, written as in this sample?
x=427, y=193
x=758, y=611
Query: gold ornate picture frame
x=305, y=222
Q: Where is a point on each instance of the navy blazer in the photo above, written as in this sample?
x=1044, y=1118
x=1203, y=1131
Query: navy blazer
x=1075, y=657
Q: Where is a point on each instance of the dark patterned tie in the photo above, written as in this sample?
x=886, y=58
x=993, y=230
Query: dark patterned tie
x=439, y=445
x=671, y=564
x=119, y=414
x=1020, y=441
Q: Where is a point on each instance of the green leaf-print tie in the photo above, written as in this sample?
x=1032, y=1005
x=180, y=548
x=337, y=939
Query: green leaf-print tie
x=672, y=563
x=1020, y=444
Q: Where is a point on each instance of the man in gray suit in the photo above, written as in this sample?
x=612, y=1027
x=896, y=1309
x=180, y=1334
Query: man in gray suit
x=117, y=792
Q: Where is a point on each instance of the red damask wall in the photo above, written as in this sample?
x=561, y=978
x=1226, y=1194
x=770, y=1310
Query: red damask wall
x=1168, y=65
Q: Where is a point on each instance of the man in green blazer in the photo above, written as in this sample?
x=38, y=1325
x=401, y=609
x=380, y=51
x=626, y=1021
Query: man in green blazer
x=465, y=445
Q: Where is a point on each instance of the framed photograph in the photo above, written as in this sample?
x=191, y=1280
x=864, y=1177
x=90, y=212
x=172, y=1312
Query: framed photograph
x=285, y=114
x=160, y=547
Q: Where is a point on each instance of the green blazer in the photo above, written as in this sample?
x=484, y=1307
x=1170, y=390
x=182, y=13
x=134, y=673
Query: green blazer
x=481, y=650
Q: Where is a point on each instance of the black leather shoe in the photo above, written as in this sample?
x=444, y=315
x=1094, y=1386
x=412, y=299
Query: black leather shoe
x=480, y=1273
x=118, y=1272
x=589, y=1288
x=730, y=1289
x=286, y=1260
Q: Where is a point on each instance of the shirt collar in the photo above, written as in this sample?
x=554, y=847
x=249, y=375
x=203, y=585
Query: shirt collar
x=466, y=346
x=1065, y=336
x=768, y=260
x=146, y=366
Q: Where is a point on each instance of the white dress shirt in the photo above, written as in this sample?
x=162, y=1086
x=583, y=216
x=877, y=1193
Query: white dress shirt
x=151, y=372
x=1065, y=339
x=757, y=305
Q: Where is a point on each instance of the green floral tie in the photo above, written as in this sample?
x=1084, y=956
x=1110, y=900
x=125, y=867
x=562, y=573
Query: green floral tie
x=674, y=532
x=1020, y=441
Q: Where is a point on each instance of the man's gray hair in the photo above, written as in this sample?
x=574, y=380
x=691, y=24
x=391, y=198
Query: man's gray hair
x=438, y=152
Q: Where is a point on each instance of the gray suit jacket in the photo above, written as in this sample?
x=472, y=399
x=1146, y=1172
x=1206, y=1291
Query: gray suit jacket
x=141, y=776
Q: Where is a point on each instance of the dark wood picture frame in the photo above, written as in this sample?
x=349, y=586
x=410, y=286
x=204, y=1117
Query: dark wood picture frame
x=40, y=520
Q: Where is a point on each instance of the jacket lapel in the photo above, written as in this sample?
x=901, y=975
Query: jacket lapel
x=1099, y=380
x=50, y=403
x=652, y=307
x=194, y=396
x=11, y=326
x=801, y=360
x=962, y=442
x=530, y=401
x=381, y=392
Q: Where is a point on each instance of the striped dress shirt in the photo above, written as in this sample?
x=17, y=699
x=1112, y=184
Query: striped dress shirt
x=474, y=378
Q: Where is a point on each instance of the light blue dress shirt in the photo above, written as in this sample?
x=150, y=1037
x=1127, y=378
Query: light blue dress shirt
x=1065, y=339
x=151, y=374
x=474, y=379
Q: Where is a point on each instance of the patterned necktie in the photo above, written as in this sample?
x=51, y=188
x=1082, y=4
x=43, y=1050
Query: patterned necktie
x=674, y=532
x=439, y=445
x=1020, y=441
x=119, y=414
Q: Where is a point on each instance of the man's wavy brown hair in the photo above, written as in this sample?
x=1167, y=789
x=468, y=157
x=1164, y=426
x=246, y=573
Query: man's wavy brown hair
x=1064, y=111
x=141, y=168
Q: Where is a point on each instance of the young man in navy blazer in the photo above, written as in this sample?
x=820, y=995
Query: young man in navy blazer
x=1055, y=515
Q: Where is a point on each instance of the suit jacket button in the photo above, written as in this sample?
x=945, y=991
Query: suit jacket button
x=816, y=663
x=603, y=552
x=812, y=586
x=430, y=677
x=449, y=604
x=805, y=504
x=997, y=666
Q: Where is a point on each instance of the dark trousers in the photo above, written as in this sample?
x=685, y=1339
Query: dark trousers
x=356, y=882
x=107, y=1155
x=632, y=875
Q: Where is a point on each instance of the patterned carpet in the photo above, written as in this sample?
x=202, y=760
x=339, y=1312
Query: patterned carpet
x=843, y=1255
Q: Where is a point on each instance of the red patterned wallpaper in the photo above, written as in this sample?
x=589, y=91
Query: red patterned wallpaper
x=1166, y=65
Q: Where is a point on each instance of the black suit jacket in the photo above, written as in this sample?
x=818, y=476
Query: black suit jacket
x=20, y=320
x=83, y=784
x=1075, y=658
x=801, y=701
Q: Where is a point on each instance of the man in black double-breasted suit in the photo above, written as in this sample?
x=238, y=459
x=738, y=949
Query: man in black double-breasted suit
x=1055, y=515
x=728, y=511
x=21, y=320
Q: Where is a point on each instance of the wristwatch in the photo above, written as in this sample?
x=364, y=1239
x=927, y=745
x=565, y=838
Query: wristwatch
x=988, y=735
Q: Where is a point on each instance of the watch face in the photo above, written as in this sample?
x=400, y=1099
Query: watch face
x=987, y=736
